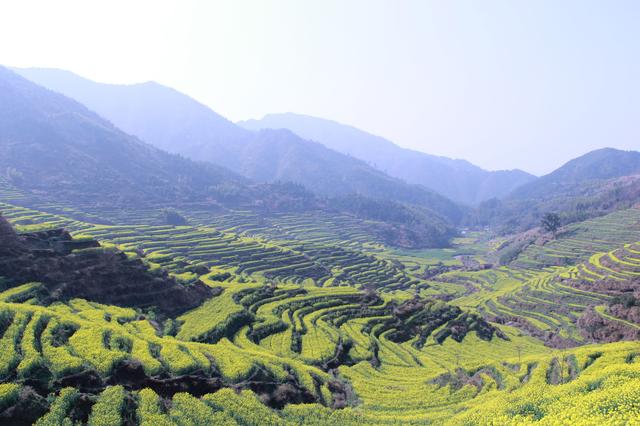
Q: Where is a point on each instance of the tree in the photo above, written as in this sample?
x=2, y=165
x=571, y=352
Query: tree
x=172, y=217
x=550, y=222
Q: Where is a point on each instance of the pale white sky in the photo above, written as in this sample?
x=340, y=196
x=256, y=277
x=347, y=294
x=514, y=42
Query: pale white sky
x=504, y=84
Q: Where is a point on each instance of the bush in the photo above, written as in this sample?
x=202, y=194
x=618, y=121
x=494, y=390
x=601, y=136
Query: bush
x=172, y=217
x=626, y=300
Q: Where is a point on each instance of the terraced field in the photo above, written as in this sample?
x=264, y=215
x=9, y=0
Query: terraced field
x=581, y=240
x=185, y=249
x=314, y=321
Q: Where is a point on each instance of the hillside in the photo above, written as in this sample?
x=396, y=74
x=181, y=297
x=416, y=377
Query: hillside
x=53, y=145
x=457, y=179
x=310, y=326
x=579, y=174
x=55, y=149
x=594, y=184
x=154, y=113
x=174, y=122
x=103, y=275
x=298, y=316
x=279, y=155
x=163, y=265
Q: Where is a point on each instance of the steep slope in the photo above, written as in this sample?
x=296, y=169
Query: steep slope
x=456, y=179
x=71, y=268
x=594, y=184
x=156, y=114
x=52, y=147
x=172, y=121
x=279, y=155
x=52, y=144
x=578, y=174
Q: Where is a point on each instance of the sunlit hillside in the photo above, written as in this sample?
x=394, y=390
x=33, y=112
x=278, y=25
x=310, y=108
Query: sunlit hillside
x=284, y=212
x=319, y=322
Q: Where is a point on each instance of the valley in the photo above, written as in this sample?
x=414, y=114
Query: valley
x=313, y=319
x=163, y=265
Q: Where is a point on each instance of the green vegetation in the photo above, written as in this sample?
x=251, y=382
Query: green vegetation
x=315, y=321
x=107, y=411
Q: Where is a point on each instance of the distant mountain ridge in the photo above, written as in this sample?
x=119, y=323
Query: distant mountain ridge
x=598, y=165
x=55, y=150
x=174, y=122
x=123, y=105
x=52, y=144
x=593, y=184
x=457, y=179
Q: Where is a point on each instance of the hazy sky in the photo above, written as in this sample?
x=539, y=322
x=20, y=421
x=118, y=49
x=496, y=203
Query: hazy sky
x=504, y=84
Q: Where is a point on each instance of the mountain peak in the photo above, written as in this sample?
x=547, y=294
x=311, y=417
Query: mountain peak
x=454, y=178
x=176, y=123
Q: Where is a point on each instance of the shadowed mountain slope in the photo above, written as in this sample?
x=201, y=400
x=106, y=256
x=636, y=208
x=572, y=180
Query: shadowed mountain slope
x=594, y=184
x=177, y=123
x=54, y=145
x=456, y=179
x=577, y=174
x=55, y=148
x=71, y=268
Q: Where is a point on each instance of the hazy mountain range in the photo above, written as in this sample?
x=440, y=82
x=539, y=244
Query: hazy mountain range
x=346, y=167
x=595, y=166
x=457, y=179
x=177, y=123
x=591, y=185
x=55, y=148
x=51, y=143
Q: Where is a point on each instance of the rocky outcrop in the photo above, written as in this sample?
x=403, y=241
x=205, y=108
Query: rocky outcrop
x=71, y=268
x=550, y=338
x=599, y=329
x=422, y=317
x=9, y=240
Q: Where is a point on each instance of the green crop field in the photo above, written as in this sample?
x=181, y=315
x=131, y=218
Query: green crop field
x=315, y=321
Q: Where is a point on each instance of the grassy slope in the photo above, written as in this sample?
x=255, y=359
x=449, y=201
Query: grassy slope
x=515, y=381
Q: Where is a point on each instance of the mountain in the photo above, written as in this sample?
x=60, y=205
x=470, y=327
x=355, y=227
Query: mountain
x=53, y=148
x=177, y=123
x=154, y=113
x=52, y=145
x=280, y=155
x=456, y=179
x=594, y=184
x=579, y=173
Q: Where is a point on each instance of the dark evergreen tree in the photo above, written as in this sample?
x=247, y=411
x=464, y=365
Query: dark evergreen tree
x=550, y=222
